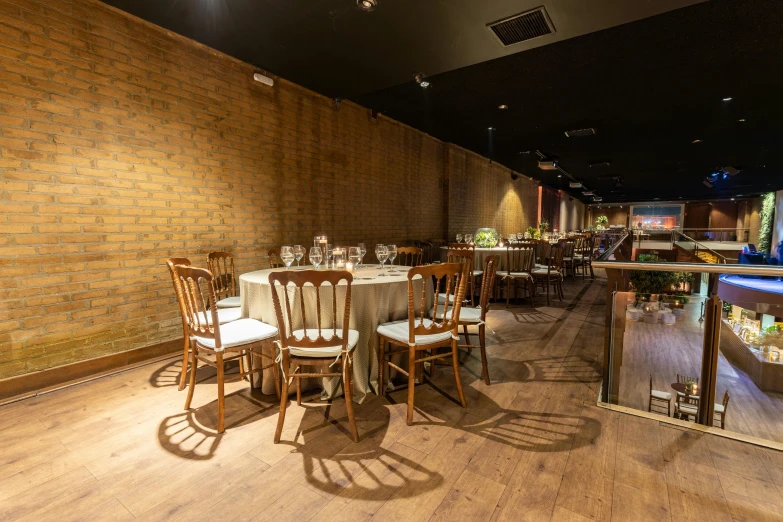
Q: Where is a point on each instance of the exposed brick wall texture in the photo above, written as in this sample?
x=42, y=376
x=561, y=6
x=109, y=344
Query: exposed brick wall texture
x=122, y=145
x=484, y=195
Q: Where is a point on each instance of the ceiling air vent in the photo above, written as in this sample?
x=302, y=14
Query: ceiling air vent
x=523, y=27
x=578, y=133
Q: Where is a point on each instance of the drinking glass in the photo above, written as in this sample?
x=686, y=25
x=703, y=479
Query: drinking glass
x=355, y=255
x=316, y=256
x=468, y=238
x=459, y=238
x=328, y=254
x=363, y=250
x=299, y=252
x=338, y=258
x=287, y=255
x=382, y=253
x=392, y=255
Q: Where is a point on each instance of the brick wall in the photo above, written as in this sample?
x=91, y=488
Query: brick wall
x=482, y=194
x=122, y=145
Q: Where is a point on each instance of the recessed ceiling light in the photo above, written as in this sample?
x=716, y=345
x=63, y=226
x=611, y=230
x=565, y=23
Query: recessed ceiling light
x=503, y=107
x=424, y=84
x=732, y=199
x=696, y=141
x=367, y=5
x=559, y=175
x=741, y=120
x=490, y=128
x=727, y=98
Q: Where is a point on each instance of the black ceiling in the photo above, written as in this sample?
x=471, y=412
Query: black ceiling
x=649, y=87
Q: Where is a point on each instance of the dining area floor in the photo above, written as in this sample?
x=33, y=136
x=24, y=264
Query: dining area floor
x=532, y=445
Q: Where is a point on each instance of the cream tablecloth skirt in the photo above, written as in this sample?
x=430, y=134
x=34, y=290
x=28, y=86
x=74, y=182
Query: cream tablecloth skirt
x=374, y=301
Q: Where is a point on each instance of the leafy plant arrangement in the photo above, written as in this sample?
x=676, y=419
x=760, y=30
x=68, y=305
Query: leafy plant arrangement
x=602, y=221
x=543, y=226
x=648, y=282
x=533, y=231
x=486, y=238
x=767, y=222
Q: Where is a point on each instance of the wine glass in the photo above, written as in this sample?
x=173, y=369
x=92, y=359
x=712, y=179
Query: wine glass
x=355, y=255
x=459, y=238
x=299, y=252
x=392, y=255
x=382, y=253
x=316, y=256
x=328, y=254
x=363, y=250
x=468, y=238
x=287, y=255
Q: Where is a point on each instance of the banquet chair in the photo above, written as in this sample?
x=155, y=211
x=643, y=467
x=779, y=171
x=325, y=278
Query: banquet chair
x=542, y=248
x=552, y=274
x=569, y=249
x=274, y=258
x=309, y=346
x=657, y=397
x=426, y=251
x=419, y=333
x=225, y=315
x=478, y=316
x=409, y=256
x=520, y=259
x=720, y=410
x=687, y=407
x=227, y=342
x=474, y=274
x=221, y=264
x=684, y=379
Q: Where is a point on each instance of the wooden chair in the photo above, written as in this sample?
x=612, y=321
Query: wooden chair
x=552, y=275
x=221, y=264
x=309, y=346
x=410, y=256
x=426, y=251
x=720, y=410
x=274, y=258
x=660, y=397
x=520, y=259
x=687, y=407
x=227, y=342
x=225, y=315
x=422, y=334
x=684, y=379
x=569, y=249
x=455, y=255
x=542, y=248
x=478, y=316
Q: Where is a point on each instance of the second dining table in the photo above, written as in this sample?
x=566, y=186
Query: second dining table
x=375, y=299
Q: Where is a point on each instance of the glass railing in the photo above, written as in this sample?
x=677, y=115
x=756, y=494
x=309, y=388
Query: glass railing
x=712, y=355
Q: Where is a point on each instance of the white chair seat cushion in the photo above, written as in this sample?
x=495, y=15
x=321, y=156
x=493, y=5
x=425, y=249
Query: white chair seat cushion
x=229, y=302
x=664, y=396
x=469, y=315
x=539, y=265
x=330, y=351
x=719, y=408
x=398, y=331
x=513, y=275
x=680, y=394
x=688, y=408
x=477, y=273
x=225, y=315
x=442, y=298
x=243, y=331
x=544, y=271
x=568, y=258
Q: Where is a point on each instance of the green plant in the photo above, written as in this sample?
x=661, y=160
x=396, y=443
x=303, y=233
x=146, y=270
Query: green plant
x=543, y=226
x=533, y=231
x=650, y=281
x=726, y=306
x=602, y=220
x=486, y=238
x=767, y=222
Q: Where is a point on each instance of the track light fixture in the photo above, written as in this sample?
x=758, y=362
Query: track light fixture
x=367, y=6
x=419, y=78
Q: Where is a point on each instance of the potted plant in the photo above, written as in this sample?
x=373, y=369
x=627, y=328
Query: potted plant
x=533, y=231
x=543, y=227
x=601, y=222
x=486, y=238
x=651, y=284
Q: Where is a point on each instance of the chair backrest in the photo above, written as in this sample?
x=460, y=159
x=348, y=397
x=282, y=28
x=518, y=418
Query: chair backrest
x=650, y=384
x=464, y=253
x=725, y=401
x=195, y=282
x=172, y=262
x=556, y=255
x=569, y=247
x=311, y=286
x=410, y=256
x=426, y=251
x=683, y=379
x=520, y=257
x=450, y=280
x=221, y=264
x=274, y=258
x=488, y=282
x=542, y=250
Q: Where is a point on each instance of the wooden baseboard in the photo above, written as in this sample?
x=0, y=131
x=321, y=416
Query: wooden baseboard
x=30, y=384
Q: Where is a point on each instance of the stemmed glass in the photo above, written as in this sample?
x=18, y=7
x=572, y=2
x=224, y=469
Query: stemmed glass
x=363, y=250
x=354, y=255
x=468, y=238
x=316, y=256
x=459, y=238
x=382, y=253
x=392, y=255
x=299, y=252
x=287, y=256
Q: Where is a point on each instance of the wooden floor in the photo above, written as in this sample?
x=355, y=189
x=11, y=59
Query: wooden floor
x=532, y=446
x=664, y=351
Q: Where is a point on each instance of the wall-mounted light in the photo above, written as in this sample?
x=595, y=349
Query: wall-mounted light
x=367, y=6
x=266, y=80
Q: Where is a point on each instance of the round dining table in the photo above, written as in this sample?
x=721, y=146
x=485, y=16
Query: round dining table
x=375, y=299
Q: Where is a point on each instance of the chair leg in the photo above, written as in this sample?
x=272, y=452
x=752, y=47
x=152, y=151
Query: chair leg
x=298, y=387
x=221, y=391
x=547, y=290
x=467, y=337
x=192, y=384
x=184, y=373
x=411, y=382
x=381, y=364
x=455, y=364
x=348, y=387
x=508, y=290
x=275, y=374
x=283, y=404
x=249, y=356
x=482, y=342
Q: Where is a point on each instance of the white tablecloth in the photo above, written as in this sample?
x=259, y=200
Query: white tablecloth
x=374, y=300
x=481, y=254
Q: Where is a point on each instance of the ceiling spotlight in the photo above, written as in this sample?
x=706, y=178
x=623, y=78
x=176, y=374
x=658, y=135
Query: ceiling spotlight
x=696, y=141
x=490, y=128
x=367, y=5
x=559, y=175
x=419, y=78
x=741, y=120
x=732, y=199
x=727, y=98
x=503, y=107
